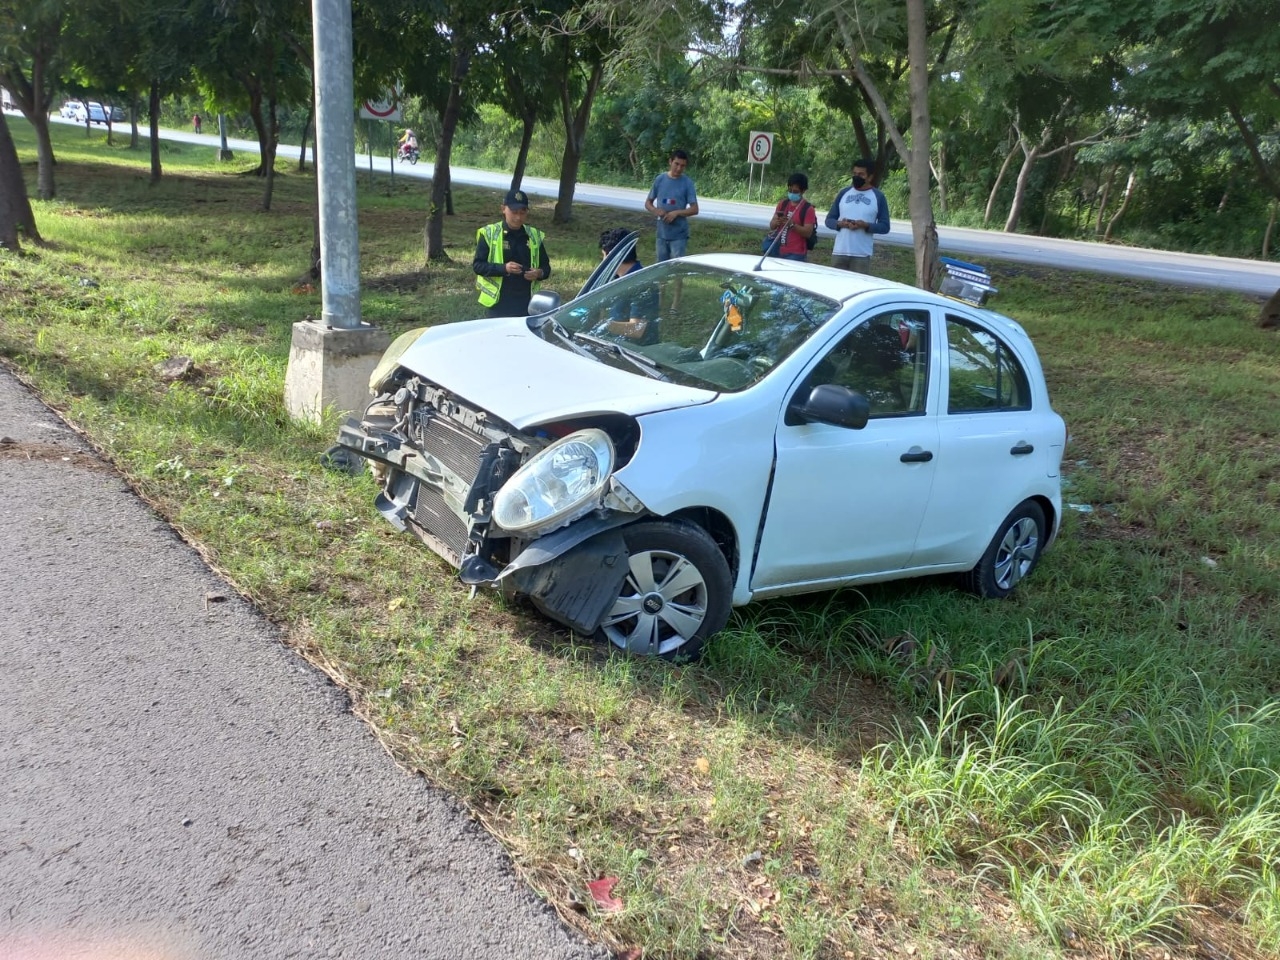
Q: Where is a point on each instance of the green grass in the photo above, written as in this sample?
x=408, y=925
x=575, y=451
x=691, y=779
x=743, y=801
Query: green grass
x=1088, y=768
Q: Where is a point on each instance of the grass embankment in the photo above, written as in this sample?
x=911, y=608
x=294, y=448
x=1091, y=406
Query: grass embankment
x=1086, y=769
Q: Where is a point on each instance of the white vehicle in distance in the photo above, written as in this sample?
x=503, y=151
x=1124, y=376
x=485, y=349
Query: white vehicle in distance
x=714, y=430
x=93, y=112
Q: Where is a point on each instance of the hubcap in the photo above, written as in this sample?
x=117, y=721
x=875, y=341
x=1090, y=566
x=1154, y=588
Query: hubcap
x=661, y=605
x=1017, y=552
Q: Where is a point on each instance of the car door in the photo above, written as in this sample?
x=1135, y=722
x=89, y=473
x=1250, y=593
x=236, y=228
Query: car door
x=994, y=447
x=849, y=502
x=606, y=268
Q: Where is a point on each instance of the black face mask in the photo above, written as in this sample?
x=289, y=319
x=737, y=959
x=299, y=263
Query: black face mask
x=859, y=182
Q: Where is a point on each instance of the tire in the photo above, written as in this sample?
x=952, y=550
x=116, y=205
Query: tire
x=676, y=596
x=1012, y=554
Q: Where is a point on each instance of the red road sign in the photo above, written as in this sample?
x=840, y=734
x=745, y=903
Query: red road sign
x=759, y=147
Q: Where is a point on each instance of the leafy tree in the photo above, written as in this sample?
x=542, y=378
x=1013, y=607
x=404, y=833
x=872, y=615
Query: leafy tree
x=524, y=75
x=255, y=58
x=30, y=63
x=1214, y=59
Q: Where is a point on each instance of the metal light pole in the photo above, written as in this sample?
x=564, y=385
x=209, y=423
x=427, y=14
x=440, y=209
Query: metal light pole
x=335, y=163
x=330, y=360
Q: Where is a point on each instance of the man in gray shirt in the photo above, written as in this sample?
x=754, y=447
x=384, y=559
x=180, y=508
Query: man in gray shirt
x=673, y=201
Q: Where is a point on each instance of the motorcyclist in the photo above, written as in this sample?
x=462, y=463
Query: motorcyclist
x=408, y=142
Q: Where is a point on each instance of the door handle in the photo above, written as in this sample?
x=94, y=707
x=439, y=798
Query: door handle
x=916, y=455
x=1021, y=449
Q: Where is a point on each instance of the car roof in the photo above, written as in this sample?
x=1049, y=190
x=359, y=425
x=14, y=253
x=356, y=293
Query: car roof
x=841, y=285
x=825, y=281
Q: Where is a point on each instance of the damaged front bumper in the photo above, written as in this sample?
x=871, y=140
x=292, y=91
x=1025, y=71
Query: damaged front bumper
x=439, y=475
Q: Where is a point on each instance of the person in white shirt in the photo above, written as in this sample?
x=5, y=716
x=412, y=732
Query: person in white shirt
x=858, y=214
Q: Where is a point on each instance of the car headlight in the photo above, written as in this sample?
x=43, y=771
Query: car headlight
x=556, y=487
x=391, y=358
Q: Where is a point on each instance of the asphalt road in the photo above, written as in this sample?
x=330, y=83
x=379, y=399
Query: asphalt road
x=175, y=784
x=1253, y=277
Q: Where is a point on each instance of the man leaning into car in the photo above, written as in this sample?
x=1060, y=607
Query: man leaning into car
x=511, y=260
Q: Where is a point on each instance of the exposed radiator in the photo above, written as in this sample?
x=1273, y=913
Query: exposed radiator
x=447, y=531
x=458, y=449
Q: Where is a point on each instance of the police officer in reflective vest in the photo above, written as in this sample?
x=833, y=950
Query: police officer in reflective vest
x=511, y=260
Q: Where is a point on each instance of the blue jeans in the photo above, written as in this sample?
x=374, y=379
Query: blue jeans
x=802, y=257
x=667, y=249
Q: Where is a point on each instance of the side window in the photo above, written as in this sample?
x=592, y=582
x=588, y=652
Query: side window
x=886, y=359
x=984, y=373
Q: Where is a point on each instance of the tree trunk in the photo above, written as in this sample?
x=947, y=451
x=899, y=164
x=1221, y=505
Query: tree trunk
x=135, y=105
x=260, y=126
x=995, y=187
x=16, y=217
x=924, y=231
x=45, y=189
x=575, y=139
x=153, y=108
x=1106, y=195
x=1029, y=157
x=444, y=149
x=314, y=271
x=1270, y=178
x=940, y=174
x=306, y=127
x=1128, y=193
x=1271, y=226
x=522, y=155
x=860, y=134
x=269, y=152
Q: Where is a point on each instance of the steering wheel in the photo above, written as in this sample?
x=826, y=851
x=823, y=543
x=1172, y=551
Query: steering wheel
x=759, y=365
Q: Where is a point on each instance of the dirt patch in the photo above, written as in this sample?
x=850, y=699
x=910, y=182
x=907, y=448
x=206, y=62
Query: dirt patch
x=51, y=453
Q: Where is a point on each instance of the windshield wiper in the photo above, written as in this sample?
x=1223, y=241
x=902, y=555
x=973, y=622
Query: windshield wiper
x=639, y=360
x=564, y=336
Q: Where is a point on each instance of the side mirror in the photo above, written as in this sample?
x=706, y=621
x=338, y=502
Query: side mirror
x=543, y=302
x=835, y=405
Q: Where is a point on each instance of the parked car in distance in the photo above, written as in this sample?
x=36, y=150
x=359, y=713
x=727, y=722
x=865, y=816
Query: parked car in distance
x=775, y=428
x=92, y=111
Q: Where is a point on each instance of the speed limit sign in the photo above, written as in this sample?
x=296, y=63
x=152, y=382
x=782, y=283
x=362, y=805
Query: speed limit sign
x=759, y=147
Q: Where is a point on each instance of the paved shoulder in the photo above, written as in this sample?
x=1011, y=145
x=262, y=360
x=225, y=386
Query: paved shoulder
x=176, y=783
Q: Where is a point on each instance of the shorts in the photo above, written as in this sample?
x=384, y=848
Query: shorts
x=669, y=249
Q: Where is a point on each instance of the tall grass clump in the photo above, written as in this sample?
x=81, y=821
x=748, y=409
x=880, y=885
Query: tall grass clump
x=1116, y=819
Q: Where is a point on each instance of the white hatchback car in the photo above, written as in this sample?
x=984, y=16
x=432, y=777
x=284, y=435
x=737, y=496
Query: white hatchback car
x=715, y=430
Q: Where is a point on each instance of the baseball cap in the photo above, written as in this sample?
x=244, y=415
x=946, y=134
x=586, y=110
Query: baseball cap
x=516, y=200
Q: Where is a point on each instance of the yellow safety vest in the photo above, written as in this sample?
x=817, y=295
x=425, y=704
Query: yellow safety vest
x=490, y=287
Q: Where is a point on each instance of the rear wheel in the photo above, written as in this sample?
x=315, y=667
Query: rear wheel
x=676, y=595
x=1011, y=555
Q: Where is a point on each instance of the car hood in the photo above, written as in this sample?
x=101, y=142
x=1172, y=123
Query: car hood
x=505, y=368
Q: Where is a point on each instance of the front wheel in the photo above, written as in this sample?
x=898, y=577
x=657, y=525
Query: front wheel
x=413, y=158
x=676, y=595
x=1011, y=555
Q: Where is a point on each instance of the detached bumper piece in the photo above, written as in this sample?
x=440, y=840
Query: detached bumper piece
x=578, y=588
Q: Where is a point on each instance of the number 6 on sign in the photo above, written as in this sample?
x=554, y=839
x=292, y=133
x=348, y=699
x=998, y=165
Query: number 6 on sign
x=759, y=147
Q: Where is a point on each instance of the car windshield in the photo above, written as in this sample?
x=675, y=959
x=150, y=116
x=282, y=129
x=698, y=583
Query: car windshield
x=700, y=326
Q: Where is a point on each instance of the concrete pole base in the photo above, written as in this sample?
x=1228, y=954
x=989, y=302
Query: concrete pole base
x=225, y=155
x=329, y=369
